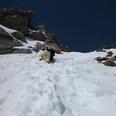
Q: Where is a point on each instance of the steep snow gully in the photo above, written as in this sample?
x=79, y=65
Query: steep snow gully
x=75, y=85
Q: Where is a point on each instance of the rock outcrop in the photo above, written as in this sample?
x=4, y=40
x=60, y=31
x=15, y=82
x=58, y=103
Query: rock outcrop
x=108, y=60
x=40, y=33
x=15, y=24
x=7, y=42
x=100, y=59
x=17, y=19
x=10, y=39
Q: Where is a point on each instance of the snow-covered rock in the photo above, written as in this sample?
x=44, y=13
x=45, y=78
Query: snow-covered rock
x=8, y=30
x=109, y=59
x=10, y=40
x=75, y=85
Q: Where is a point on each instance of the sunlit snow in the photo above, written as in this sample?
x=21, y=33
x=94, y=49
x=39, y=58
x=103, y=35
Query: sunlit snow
x=74, y=85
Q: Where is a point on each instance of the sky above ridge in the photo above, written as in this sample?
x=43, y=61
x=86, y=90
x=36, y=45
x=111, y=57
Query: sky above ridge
x=84, y=25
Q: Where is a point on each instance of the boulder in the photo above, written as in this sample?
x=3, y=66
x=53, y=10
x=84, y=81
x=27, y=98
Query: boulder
x=109, y=54
x=109, y=63
x=100, y=59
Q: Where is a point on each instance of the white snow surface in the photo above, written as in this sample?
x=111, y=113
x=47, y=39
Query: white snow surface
x=74, y=85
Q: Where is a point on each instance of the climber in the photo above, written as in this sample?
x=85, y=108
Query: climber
x=47, y=55
x=52, y=54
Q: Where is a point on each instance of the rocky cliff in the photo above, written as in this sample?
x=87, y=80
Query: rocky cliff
x=15, y=26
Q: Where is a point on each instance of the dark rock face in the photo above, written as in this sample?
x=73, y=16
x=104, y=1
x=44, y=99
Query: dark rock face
x=100, y=59
x=12, y=50
x=6, y=46
x=21, y=51
x=109, y=63
x=17, y=19
x=19, y=36
x=109, y=54
x=20, y=20
x=7, y=42
x=5, y=50
x=5, y=35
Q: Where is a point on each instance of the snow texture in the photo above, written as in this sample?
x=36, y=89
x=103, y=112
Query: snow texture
x=75, y=85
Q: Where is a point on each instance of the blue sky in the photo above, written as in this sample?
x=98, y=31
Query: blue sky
x=84, y=25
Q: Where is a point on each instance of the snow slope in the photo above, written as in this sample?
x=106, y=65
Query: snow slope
x=75, y=85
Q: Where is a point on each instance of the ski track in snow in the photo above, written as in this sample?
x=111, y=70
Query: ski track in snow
x=75, y=85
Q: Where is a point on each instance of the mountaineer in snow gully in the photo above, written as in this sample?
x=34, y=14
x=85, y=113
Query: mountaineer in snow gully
x=47, y=54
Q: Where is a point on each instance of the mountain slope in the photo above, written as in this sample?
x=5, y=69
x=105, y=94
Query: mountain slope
x=75, y=85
